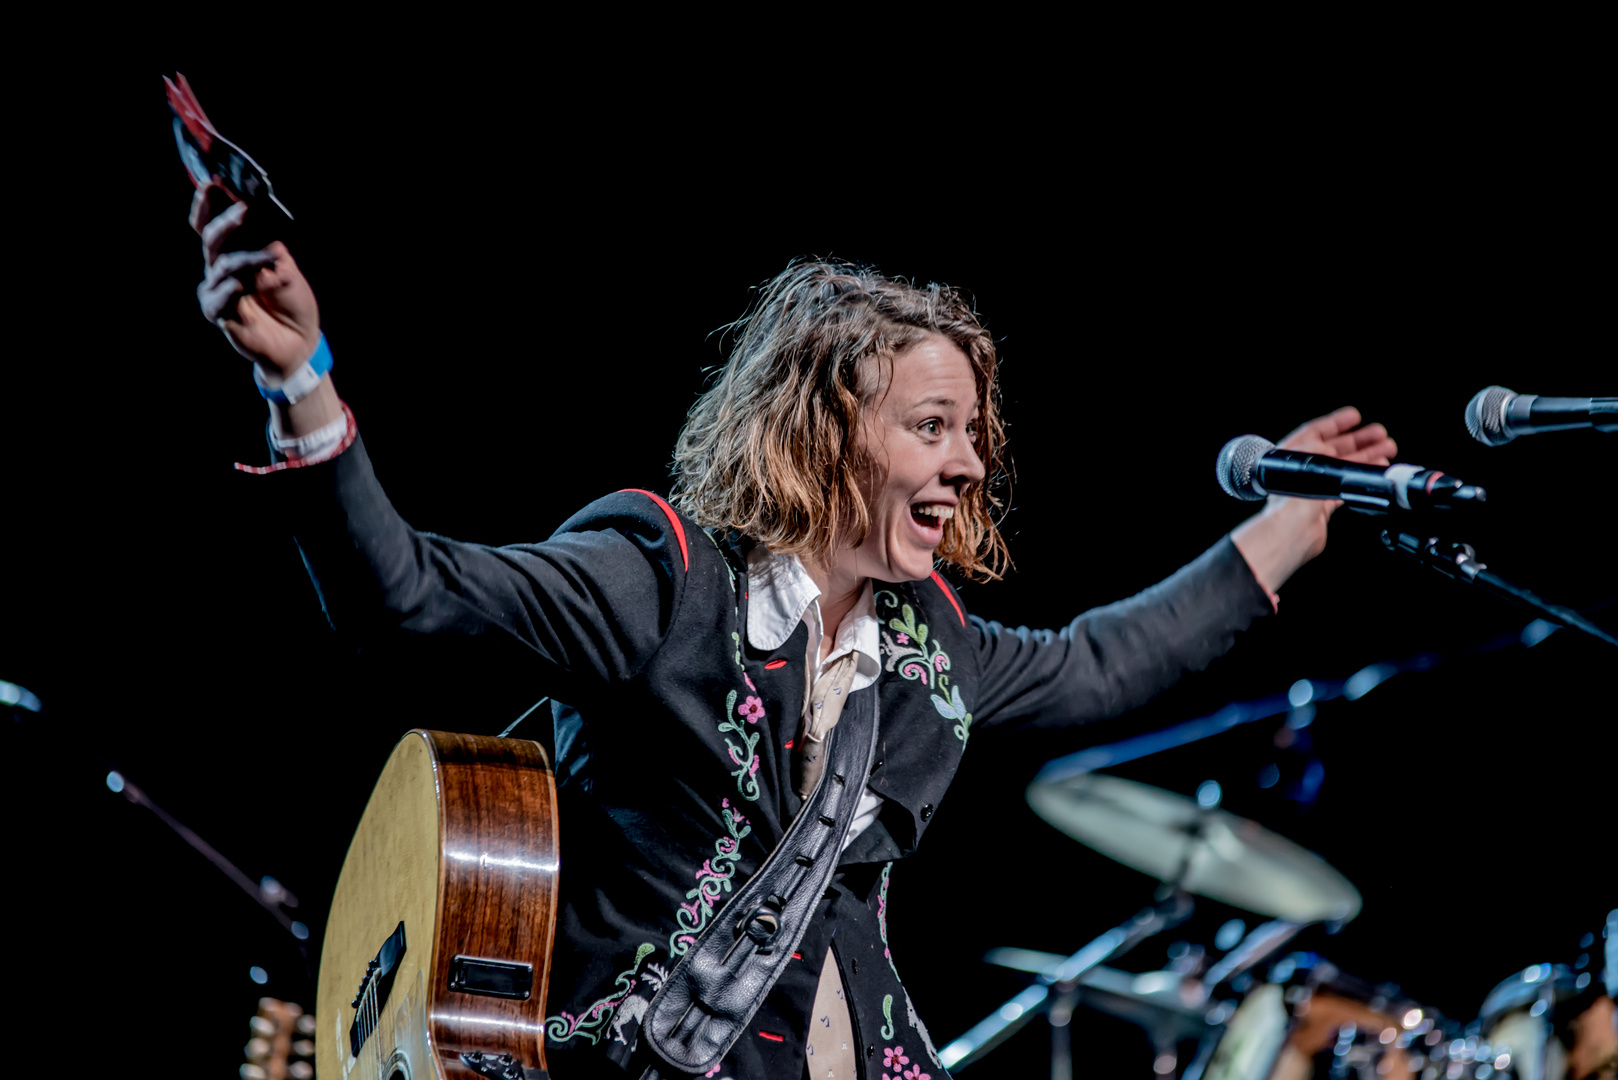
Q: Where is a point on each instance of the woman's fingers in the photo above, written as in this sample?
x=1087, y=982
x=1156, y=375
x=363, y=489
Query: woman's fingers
x=216, y=298
x=1325, y=428
x=233, y=263
x=1339, y=434
x=1358, y=440
x=215, y=231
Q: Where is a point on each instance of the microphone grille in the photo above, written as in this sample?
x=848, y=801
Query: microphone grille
x=1486, y=416
x=1237, y=464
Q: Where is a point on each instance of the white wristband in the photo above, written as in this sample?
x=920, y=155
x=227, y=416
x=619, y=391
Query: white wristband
x=313, y=447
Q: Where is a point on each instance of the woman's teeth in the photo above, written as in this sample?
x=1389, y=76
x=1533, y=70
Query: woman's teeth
x=940, y=513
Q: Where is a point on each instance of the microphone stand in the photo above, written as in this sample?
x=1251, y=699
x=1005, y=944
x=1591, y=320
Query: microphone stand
x=1459, y=562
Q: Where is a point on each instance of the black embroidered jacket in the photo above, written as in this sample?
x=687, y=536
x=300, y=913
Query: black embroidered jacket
x=672, y=761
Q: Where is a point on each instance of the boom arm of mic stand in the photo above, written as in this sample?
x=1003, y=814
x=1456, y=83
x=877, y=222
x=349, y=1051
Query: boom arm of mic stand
x=1460, y=562
x=994, y=1029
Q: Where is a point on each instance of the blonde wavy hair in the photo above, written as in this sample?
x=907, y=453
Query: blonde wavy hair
x=773, y=448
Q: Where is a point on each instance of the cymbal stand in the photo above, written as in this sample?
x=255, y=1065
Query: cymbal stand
x=1056, y=991
x=1460, y=563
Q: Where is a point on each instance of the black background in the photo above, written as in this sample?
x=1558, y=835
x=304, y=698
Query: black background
x=520, y=272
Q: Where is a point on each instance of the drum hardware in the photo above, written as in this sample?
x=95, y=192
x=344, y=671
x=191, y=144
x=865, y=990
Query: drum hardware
x=1194, y=848
x=1548, y=1022
x=1055, y=993
x=1311, y=1018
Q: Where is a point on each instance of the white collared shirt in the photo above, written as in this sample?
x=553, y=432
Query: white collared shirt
x=781, y=594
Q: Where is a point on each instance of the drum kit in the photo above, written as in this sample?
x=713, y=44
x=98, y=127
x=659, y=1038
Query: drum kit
x=1261, y=1012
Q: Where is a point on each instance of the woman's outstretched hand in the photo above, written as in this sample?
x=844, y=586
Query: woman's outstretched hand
x=259, y=299
x=1289, y=531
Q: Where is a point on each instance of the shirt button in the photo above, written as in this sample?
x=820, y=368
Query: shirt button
x=927, y=812
x=870, y=1051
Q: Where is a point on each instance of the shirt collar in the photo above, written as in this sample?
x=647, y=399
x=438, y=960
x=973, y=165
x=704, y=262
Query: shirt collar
x=780, y=593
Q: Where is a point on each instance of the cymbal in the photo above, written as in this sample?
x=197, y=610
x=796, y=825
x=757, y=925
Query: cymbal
x=1225, y=857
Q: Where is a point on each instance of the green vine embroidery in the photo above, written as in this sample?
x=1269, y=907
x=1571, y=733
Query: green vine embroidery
x=713, y=879
x=907, y=651
x=887, y=1014
x=592, y=1023
x=747, y=761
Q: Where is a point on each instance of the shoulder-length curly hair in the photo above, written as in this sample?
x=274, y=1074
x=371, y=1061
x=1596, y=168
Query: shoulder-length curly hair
x=773, y=450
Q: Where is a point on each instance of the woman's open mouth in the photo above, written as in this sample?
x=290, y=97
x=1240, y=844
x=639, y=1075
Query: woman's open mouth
x=930, y=519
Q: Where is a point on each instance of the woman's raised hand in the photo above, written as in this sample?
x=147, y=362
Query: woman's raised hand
x=259, y=299
x=1290, y=532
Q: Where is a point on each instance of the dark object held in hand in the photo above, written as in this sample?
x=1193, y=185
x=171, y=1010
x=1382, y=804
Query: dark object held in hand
x=212, y=159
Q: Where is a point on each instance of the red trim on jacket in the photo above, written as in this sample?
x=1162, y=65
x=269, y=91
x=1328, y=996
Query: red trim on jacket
x=954, y=603
x=674, y=519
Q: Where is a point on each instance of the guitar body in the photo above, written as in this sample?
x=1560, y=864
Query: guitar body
x=445, y=912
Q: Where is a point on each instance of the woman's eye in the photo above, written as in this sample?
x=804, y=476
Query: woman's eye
x=931, y=427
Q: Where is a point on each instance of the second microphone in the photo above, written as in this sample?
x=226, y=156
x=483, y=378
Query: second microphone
x=1250, y=467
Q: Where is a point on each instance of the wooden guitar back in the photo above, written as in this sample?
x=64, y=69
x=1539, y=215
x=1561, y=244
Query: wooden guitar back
x=458, y=843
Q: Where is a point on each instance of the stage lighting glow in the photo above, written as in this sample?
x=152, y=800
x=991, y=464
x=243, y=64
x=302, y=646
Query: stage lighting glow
x=12, y=694
x=1301, y=693
x=1582, y=981
x=1412, y=1018
x=1538, y=631
x=1388, y=1035
x=300, y=931
x=115, y=781
x=1269, y=776
x=258, y=975
x=1230, y=934
x=1208, y=794
x=1365, y=680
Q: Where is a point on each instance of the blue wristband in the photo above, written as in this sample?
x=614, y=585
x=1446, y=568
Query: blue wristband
x=302, y=382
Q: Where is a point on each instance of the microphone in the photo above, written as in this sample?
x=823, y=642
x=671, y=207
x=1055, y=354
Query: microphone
x=1250, y=467
x=1496, y=415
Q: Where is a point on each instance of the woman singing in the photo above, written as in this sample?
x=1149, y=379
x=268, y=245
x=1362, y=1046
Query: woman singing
x=706, y=653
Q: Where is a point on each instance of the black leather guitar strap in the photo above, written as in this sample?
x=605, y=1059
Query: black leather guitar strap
x=724, y=977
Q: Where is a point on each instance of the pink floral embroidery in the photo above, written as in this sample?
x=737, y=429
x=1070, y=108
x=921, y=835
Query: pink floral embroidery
x=893, y=1057
x=917, y=1074
x=746, y=679
x=752, y=709
x=904, y=639
x=939, y=661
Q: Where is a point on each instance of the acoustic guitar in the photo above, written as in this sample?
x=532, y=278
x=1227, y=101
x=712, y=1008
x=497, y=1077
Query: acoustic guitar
x=435, y=959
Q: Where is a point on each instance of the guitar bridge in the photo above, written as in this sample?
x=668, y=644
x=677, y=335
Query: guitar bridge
x=374, y=988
